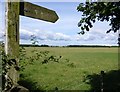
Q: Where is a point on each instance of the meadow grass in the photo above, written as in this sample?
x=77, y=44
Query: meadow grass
x=75, y=64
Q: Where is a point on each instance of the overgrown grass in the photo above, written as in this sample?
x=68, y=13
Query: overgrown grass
x=73, y=67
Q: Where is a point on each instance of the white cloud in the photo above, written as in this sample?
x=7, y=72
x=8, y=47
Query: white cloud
x=95, y=36
x=44, y=35
x=111, y=36
x=25, y=34
x=57, y=38
x=61, y=36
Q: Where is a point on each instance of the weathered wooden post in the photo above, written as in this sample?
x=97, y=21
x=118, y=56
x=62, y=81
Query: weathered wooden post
x=13, y=10
x=12, y=39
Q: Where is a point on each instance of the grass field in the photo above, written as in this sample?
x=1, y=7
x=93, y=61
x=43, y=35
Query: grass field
x=73, y=67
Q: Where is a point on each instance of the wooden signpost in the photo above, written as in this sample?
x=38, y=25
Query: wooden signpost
x=37, y=12
x=13, y=10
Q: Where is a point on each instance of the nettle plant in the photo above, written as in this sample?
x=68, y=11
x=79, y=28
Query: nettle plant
x=6, y=63
x=43, y=57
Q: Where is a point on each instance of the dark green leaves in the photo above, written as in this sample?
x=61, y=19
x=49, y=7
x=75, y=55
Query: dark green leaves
x=82, y=28
x=86, y=27
x=101, y=11
x=82, y=32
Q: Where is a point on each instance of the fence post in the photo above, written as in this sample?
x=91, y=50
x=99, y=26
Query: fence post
x=119, y=50
x=102, y=81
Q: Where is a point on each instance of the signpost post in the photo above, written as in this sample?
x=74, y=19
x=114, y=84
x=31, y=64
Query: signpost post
x=13, y=10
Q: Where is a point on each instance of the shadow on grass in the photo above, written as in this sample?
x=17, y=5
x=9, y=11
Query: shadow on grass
x=29, y=84
x=107, y=82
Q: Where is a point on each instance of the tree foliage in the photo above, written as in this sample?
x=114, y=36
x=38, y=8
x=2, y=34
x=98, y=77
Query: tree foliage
x=101, y=11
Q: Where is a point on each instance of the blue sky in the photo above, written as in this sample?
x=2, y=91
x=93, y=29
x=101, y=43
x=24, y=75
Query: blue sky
x=64, y=31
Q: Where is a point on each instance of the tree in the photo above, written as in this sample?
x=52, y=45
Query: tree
x=101, y=11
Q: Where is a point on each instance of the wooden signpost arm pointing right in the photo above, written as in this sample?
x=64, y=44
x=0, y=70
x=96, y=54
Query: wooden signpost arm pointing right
x=37, y=12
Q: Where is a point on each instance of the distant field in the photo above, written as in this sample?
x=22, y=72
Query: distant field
x=74, y=65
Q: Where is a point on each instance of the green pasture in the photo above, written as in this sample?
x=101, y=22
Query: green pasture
x=69, y=73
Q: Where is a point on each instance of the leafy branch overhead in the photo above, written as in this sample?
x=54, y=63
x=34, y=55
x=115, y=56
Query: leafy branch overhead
x=101, y=11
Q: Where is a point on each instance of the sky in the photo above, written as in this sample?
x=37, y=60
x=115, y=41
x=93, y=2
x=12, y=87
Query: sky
x=64, y=31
